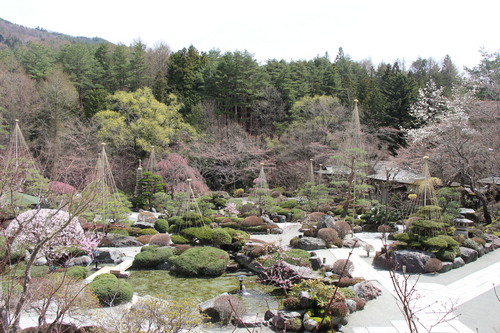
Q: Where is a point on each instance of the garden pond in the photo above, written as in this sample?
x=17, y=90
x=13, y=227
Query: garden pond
x=257, y=297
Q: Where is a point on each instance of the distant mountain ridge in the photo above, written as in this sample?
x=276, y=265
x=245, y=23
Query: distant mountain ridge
x=12, y=35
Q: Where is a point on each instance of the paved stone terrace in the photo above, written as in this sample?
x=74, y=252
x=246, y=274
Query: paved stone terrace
x=468, y=290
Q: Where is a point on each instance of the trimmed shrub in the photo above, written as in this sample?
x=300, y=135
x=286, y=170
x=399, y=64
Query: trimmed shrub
x=228, y=306
x=427, y=228
x=360, y=303
x=343, y=228
x=338, y=309
x=105, y=276
x=343, y=265
x=252, y=221
x=160, y=240
x=201, y=261
x=77, y=272
x=433, y=265
x=180, y=248
x=329, y=235
x=221, y=237
x=347, y=282
x=111, y=292
x=275, y=194
x=293, y=324
x=471, y=244
x=237, y=234
x=479, y=240
x=348, y=293
x=161, y=225
x=148, y=231
x=133, y=231
x=151, y=258
x=446, y=255
x=178, y=239
x=289, y=204
x=175, y=220
x=404, y=237
x=144, y=239
x=119, y=232
x=292, y=303
x=202, y=234
x=149, y=248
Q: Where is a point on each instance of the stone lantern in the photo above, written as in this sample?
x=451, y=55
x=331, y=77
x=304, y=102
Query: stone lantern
x=462, y=226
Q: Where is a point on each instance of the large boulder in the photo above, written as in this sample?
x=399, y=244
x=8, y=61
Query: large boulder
x=447, y=266
x=380, y=260
x=458, y=262
x=108, y=256
x=80, y=261
x=413, y=260
x=311, y=243
x=326, y=221
x=468, y=255
x=119, y=241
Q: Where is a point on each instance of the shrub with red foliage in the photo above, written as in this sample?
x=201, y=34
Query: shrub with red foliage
x=179, y=248
x=338, y=309
x=433, y=265
x=144, y=239
x=252, y=221
x=61, y=188
x=343, y=228
x=160, y=240
x=176, y=170
x=329, y=235
x=360, y=303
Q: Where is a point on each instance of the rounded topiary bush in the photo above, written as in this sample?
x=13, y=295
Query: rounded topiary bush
x=343, y=266
x=144, y=239
x=201, y=234
x=471, y=244
x=201, y=261
x=252, y=221
x=228, y=306
x=132, y=231
x=148, y=231
x=221, y=237
x=105, y=276
x=111, y=292
x=343, y=228
x=338, y=309
x=161, y=225
x=292, y=303
x=160, y=240
x=179, y=239
x=433, y=265
x=77, y=272
x=150, y=259
x=329, y=235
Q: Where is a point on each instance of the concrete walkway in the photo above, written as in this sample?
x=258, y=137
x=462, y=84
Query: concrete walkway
x=461, y=300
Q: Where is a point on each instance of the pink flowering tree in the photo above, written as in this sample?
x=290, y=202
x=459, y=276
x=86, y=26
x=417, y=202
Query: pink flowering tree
x=176, y=170
x=50, y=233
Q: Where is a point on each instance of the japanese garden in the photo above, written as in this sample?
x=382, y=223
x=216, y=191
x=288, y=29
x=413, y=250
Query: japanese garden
x=151, y=190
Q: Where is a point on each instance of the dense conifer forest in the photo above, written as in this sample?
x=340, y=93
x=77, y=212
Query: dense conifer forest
x=221, y=114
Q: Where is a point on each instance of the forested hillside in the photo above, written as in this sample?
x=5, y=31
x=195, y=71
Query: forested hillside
x=224, y=113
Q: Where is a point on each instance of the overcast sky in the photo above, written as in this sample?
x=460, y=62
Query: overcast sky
x=380, y=30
